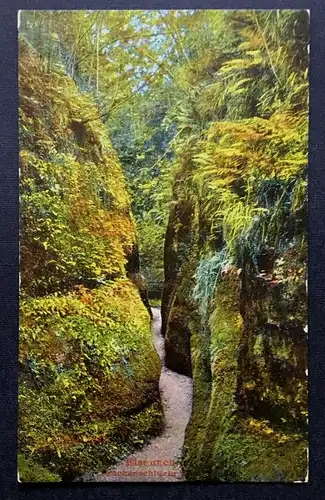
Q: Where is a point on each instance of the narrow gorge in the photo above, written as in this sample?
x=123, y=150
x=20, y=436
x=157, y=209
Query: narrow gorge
x=163, y=246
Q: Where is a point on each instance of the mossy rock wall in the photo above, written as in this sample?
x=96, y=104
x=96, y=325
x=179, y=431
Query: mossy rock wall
x=246, y=425
x=248, y=353
x=88, y=392
x=180, y=256
x=76, y=224
x=176, y=303
x=89, y=367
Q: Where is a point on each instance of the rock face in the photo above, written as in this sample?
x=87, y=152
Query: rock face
x=76, y=225
x=246, y=349
x=89, y=372
x=133, y=272
x=176, y=301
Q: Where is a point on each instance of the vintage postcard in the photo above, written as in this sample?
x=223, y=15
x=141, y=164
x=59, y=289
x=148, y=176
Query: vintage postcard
x=163, y=245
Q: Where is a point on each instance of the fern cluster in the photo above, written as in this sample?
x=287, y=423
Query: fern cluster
x=206, y=276
x=245, y=129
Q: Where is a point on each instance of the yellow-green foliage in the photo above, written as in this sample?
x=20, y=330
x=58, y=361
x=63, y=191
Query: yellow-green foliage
x=75, y=211
x=88, y=369
x=274, y=147
x=235, y=157
x=247, y=175
x=234, y=299
x=89, y=377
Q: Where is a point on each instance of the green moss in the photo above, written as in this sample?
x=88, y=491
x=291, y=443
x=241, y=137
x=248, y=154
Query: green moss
x=89, y=367
x=193, y=449
x=243, y=456
x=76, y=223
x=242, y=221
x=88, y=370
x=100, y=445
x=179, y=311
x=31, y=472
x=271, y=459
x=223, y=442
x=217, y=355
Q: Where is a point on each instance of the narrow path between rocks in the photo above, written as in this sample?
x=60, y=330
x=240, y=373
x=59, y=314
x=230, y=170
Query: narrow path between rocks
x=164, y=451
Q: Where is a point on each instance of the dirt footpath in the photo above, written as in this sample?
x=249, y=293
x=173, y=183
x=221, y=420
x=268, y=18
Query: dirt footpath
x=159, y=460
